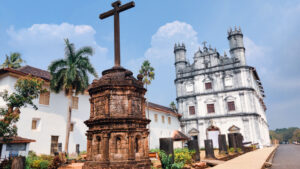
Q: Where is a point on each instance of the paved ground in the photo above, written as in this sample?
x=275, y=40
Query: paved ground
x=251, y=160
x=287, y=156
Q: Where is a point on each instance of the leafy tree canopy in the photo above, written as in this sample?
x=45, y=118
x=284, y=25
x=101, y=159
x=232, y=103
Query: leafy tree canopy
x=284, y=134
x=148, y=72
x=13, y=61
x=26, y=89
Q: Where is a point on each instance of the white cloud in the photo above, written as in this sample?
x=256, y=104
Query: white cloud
x=40, y=44
x=161, y=56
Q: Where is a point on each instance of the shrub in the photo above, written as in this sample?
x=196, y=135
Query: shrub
x=44, y=164
x=231, y=150
x=38, y=162
x=239, y=150
x=156, y=150
x=166, y=160
x=184, y=155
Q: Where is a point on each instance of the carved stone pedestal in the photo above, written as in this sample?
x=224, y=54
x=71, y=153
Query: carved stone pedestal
x=117, y=135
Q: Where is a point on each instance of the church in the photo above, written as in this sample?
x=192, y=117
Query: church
x=219, y=94
x=215, y=95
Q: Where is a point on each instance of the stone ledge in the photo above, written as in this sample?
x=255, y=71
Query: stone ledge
x=252, y=160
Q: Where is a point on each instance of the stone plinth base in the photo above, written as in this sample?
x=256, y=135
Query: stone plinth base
x=144, y=164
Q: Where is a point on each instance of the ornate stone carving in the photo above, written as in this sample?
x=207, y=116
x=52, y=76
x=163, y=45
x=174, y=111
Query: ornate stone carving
x=117, y=135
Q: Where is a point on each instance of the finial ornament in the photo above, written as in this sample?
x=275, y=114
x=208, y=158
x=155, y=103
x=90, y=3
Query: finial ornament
x=204, y=44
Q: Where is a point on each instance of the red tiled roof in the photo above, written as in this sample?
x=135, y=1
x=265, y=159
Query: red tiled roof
x=35, y=72
x=26, y=70
x=15, y=139
x=163, y=109
x=178, y=135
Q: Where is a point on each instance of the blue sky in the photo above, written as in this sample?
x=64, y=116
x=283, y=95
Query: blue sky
x=36, y=29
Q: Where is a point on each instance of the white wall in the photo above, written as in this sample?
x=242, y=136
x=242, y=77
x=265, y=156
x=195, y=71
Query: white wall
x=52, y=120
x=159, y=129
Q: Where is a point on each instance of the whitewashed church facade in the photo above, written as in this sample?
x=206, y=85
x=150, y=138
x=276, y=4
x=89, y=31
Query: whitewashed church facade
x=220, y=94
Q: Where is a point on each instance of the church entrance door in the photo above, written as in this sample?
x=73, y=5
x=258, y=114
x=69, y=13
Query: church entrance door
x=213, y=134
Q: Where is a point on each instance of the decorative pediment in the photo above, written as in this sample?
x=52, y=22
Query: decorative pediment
x=213, y=128
x=210, y=101
x=193, y=131
x=233, y=129
x=208, y=79
x=229, y=98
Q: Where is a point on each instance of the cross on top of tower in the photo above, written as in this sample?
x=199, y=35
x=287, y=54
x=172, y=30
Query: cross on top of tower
x=115, y=12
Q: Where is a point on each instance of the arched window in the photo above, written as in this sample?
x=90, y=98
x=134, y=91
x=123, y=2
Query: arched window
x=136, y=144
x=118, y=144
x=98, y=144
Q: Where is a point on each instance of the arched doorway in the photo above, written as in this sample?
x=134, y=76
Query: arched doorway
x=213, y=134
x=194, y=134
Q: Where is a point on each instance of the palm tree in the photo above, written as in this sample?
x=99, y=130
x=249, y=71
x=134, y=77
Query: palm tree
x=148, y=75
x=13, y=61
x=71, y=76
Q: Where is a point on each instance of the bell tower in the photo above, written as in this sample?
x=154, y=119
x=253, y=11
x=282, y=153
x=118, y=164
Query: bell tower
x=236, y=44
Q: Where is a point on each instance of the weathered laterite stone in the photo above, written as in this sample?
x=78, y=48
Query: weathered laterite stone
x=209, y=149
x=117, y=136
x=222, y=144
x=166, y=145
x=193, y=145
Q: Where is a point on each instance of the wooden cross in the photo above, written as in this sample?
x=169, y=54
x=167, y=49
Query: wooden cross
x=117, y=9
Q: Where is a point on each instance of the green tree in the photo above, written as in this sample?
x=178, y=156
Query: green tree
x=296, y=135
x=71, y=76
x=173, y=106
x=26, y=89
x=13, y=61
x=148, y=75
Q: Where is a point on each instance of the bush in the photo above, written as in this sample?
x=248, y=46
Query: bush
x=166, y=161
x=38, y=162
x=239, y=150
x=231, y=150
x=184, y=155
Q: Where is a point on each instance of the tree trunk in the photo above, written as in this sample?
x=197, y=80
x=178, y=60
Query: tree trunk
x=70, y=95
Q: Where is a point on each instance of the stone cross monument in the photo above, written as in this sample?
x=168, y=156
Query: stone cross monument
x=117, y=136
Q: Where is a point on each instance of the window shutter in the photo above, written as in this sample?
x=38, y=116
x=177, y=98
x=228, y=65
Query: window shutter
x=210, y=108
x=34, y=123
x=155, y=117
x=169, y=120
x=231, y=106
x=72, y=127
x=192, y=110
x=163, y=119
x=208, y=85
x=45, y=98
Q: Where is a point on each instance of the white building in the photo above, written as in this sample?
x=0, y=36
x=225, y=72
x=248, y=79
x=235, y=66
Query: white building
x=47, y=125
x=219, y=94
x=164, y=123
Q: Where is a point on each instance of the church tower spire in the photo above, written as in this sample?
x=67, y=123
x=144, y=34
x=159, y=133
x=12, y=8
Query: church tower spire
x=180, y=57
x=237, y=49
